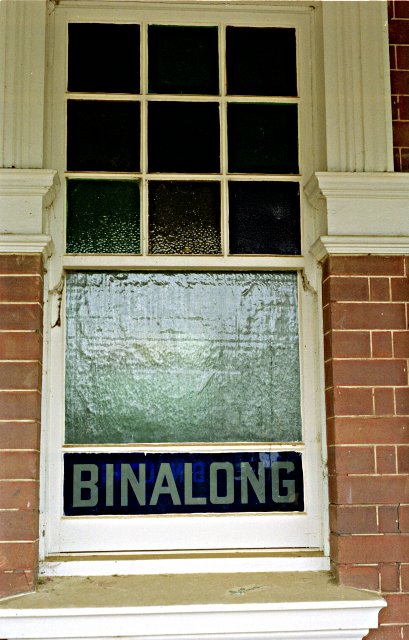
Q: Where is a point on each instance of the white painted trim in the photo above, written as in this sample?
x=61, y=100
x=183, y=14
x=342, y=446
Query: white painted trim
x=360, y=246
x=103, y=566
x=357, y=86
x=365, y=205
x=276, y=620
x=16, y=243
x=29, y=182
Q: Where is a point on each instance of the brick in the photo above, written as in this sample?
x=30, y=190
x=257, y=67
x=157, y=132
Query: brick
x=20, y=375
x=20, y=405
x=401, y=131
x=390, y=578
x=388, y=516
x=395, y=107
x=404, y=518
x=345, y=288
x=371, y=489
x=397, y=610
x=396, y=159
x=13, y=583
x=18, y=555
x=370, y=549
x=404, y=154
x=379, y=289
x=400, y=289
x=366, y=265
x=401, y=10
x=19, y=465
x=369, y=430
x=20, y=346
x=18, y=525
x=404, y=572
x=359, y=577
x=352, y=402
x=351, y=344
x=389, y=632
x=403, y=459
x=402, y=56
x=16, y=494
x=19, y=435
x=26, y=264
x=21, y=289
x=384, y=401
x=401, y=344
x=404, y=107
x=399, y=82
x=372, y=315
x=402, y=401
x=344, y=459
x=329, y=402
x=345, y=519
x=381, y=344
x=392, y=56
x=20, y=317
x=398, y=30
x=385, y=459
x=370, y=372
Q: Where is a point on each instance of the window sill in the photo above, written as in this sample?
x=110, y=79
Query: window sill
x=252, y=605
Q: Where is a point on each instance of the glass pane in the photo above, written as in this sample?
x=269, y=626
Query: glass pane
x=103, y=136
x=103, y=58
x=183, y=60
x=183, y=137
x=188, y=357
x=103, y=216
x=261, y=61
x=264, y=217
x=263, y=138
x=184, y=217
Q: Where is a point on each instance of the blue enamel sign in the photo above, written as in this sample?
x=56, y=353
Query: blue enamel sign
x=158, y=483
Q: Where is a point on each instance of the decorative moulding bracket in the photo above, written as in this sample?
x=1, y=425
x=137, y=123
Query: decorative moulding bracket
x=17, y=243
x=25, y=195
x=361, y=213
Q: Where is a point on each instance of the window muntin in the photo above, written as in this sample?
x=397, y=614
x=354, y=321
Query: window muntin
x=211, y=532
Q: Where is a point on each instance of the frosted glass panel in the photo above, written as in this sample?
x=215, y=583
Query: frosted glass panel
x=184, y=357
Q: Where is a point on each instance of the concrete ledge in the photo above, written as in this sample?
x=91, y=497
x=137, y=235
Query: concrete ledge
x=255, y=606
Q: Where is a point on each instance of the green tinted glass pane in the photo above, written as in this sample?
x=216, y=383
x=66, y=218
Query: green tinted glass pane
x=184, y=217
x=103, y=216
x=262, y=138
x=184, y=357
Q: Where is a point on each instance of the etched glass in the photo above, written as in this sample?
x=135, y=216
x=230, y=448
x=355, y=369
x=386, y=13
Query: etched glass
x=182, y=357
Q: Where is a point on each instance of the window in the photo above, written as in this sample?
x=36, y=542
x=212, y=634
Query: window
x=186, y=414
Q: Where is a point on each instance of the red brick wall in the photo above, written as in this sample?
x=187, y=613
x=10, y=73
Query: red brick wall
x=399, y=56
x=21, y=295
x=367, y=394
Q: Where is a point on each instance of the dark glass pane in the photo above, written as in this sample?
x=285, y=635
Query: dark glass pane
x=183, y=137
x=103, y=216
x=264, y=217
x=184, y=217
x=103, y=58
x=183, y=60
x=182, y=357
x=103, y=136
x=261, y=62
x=263, y=138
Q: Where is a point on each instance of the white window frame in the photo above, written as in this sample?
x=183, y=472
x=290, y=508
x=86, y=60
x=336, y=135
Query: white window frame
x=280, y=531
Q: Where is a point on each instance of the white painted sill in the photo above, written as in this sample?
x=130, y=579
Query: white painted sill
x=255, y=606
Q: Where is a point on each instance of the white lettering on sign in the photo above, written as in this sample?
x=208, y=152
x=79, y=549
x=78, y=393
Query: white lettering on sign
x=222, y=488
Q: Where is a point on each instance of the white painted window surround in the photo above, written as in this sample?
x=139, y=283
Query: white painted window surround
x=352, y=163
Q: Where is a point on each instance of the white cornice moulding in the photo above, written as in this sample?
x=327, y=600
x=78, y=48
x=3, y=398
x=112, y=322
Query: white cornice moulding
x=367, y=205
x=15, y=243
x=25, y=195
x=327, y=620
